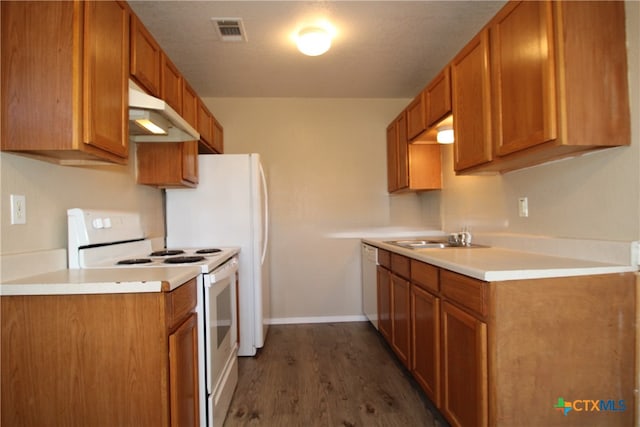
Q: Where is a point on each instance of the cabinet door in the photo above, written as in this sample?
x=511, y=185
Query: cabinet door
x=523, y=76
x=190, y=161
x=145, y=57
x=183, y=374
x=402, y=147
x=438, y=98
x=218, y=136
x=464, y=368
x=384, y=303
x=171, y=84
x=392, y=157
x=416, y=117
x=189, y=104
x=167, y=165
x=400, y=317
x=471, y=105
x=106, y=76
x=425, y=341
x=205, y=126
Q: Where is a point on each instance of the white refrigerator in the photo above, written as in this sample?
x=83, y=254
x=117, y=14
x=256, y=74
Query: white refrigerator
x=229, y=208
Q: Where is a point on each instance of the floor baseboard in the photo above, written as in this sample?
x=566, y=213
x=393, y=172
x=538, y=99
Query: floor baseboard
x=321, y=319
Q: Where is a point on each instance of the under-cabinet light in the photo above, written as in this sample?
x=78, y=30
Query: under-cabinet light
x=149, y=120
x=445, y=134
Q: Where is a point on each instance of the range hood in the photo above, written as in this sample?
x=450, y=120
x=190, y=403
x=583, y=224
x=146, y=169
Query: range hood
x=153, y=120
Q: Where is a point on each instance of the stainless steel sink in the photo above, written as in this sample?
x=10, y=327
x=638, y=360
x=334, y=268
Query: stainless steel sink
x=429, y=244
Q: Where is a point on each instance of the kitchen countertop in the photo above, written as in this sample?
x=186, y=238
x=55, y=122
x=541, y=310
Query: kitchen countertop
x=58, y=280
x=101, y=281
x=497, y=264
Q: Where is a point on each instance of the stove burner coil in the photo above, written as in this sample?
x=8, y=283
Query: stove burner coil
x=167, y=252
x=183, y=259
x=208, y=251
x=134, y=261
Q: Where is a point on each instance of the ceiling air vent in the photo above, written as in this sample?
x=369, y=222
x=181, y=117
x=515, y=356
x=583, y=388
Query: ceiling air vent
x=230, y=29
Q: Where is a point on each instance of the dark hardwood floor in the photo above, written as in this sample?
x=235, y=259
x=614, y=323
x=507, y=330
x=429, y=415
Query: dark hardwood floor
x=334, y=374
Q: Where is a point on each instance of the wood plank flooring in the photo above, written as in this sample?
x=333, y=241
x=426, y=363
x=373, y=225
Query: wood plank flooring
x=334, y=374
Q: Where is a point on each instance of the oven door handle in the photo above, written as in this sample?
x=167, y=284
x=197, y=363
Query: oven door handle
x=223, y=272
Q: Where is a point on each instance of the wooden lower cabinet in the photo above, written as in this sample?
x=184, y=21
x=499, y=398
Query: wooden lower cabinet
x=425, y=341
x=183, y=368
x=400, y=318
x=384, y=302
x=464, y=368
x=505, y=353
x=100, y=359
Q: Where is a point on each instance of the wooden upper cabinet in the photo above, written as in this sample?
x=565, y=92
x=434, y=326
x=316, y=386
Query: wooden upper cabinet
x=411, y=167
x=392, y=156
x=145, y=57
x=558, y=86
x=65, y=69
x=106, y=65
x=523, y=76
x=593, y=98
x=171, y=84
x=189, y=104
x=471, y=104
x=416, y=117
x=397, y=154
x=437, y=98
x=218, y=136
x=168, y=165
x=402, y=148
x=205, y=123
x=429, y=108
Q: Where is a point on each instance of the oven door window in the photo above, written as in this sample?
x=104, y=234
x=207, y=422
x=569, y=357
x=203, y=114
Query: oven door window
x=223, y=315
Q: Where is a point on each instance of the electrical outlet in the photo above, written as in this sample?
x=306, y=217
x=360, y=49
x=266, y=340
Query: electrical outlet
x=523, y=207
x=18, y=209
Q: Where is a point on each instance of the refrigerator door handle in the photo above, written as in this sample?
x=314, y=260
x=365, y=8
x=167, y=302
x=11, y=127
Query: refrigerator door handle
x=265, y=217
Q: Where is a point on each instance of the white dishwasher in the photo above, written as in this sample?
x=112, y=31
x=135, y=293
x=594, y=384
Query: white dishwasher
x=370, y=282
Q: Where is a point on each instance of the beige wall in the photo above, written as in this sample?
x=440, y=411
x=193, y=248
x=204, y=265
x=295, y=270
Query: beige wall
x=326, y=166
x=51, y=189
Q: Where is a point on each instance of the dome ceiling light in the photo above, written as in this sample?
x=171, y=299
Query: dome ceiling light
x=313, y=41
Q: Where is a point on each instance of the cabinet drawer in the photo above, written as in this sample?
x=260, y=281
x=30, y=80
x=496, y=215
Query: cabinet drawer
x=180, y=302
x=468, y=292
x=401, y=265
x=384, y=258
x=424, y=275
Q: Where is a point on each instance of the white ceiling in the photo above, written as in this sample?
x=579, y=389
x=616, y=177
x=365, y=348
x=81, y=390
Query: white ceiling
x=383, y=49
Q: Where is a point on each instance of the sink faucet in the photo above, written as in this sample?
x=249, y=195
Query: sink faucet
x=462, y=238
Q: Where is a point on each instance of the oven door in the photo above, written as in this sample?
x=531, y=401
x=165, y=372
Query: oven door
x=221, y=343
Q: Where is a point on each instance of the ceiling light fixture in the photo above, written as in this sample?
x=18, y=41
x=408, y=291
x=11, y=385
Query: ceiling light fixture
x=445, y=134
x=313, y=41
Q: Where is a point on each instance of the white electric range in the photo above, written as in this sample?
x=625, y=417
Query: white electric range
x=114, y=239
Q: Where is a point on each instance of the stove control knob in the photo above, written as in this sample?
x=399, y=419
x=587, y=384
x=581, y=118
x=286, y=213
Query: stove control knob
x=107, y=222
x=97, y=223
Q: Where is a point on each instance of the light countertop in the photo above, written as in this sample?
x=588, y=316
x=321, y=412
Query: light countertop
x=497, y=264
x=58, y=280
x=101, y=281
